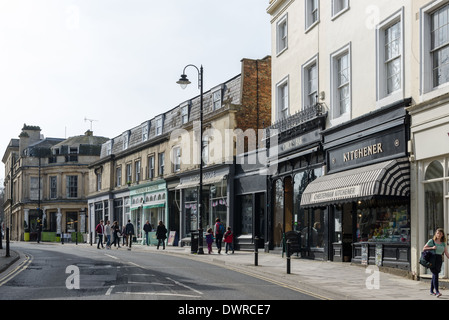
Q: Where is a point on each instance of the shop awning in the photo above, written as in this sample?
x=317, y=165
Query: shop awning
x=386, y=179
x=195, y=182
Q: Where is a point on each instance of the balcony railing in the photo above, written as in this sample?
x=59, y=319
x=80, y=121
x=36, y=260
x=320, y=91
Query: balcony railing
x=295, y=120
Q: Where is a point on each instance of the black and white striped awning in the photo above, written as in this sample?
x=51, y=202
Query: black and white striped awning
x=386, y=179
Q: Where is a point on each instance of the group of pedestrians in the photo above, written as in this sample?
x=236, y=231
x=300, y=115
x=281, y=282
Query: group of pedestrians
x=220, y=235
x=127, y=232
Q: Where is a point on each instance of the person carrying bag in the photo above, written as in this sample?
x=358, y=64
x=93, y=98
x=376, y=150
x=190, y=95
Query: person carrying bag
x=437, y=247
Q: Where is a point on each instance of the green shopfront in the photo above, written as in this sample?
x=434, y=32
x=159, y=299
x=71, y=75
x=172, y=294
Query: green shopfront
x=148, y=203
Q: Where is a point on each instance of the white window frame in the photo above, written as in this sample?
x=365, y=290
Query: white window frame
x=137, y=169
x=339, y=7
x=428, y=91
x=118, y=176
x=306, y=81
x=185, y=113
x=146, y=131
x=310, y=11
x=336, y=116
x=159, y=125
x=126, y=140
x=176, y=158
x=282, y=35
x=383, y=96
x=217, y=98
x=151, y=162
x=283, y=99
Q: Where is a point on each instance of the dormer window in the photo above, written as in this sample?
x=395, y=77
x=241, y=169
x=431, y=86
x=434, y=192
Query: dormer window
x=159, y=125
x=216, y=99
x=185, y=113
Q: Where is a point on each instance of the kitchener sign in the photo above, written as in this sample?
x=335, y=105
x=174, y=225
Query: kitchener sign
x=336, y=194
x=367, y=151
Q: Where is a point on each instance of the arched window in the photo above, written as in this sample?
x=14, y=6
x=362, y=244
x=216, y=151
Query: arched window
x=433, y=198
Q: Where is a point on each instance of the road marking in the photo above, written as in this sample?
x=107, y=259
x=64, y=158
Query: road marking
x=22, y=266
x=151, y=283
x=159, y=294
x=108, y=255
x=185, y=286
x=108, y=293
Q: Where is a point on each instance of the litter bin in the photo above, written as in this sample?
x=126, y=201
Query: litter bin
x=194, y=242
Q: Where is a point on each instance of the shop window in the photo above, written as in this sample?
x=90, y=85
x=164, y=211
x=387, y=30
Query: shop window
x=278, y=213
x=247, y=214
x=389, y=223
x=434, y=199
x=434, y=171
x=191, y=207
x=218, y=203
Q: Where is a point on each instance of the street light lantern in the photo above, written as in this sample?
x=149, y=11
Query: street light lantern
x=183, y=82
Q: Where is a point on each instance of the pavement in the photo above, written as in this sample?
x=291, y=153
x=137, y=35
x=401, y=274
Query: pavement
x=321, y=279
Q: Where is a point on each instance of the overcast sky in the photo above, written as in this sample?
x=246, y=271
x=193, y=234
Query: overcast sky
x=116, y=61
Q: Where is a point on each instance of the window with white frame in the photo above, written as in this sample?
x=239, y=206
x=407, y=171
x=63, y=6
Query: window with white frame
x=126, y=140
x=159, y=125
x=53, y=187
x=310, y=82
x=341, y=83
x=282, y=99
x=185, y=114
x=312, y=13
x=145, y=130
x=151, y=167
x=216, y=99
x=390, y=56
x=118, y=176
x=176, y=159
x=161, y=163
x=129, y=172
x=434, y=46
x=440, y=45
x=72, y=186
x=339, y=6
x=137, y=167
x=282, y=35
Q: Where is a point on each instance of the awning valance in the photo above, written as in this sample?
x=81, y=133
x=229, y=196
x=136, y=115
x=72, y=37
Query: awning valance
x=386, y=179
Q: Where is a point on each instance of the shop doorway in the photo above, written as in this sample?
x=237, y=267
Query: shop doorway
x=343, y=234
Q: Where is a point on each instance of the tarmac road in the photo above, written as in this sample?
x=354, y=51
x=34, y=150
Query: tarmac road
x=54, y=271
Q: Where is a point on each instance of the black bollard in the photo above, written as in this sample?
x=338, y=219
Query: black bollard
x=76, y=238
x=62, y=237
x=288, y=257
x=256, y=251
x=7, y=243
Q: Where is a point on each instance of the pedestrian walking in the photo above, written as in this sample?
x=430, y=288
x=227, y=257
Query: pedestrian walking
x=161, y=235
x=219, y=231
x=129, y=233
x=209, y=239
x=438, y=245
x=115, y=234
x=147, y=228
x=125, y=239
x=229, y=239
x=108, y=233
x=99, y=229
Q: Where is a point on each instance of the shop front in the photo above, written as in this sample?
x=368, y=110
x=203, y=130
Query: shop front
x=297, y=161
x=215, y=191
x=430, y=161
x=148, y=203
x=250, y=188
x=366, y=191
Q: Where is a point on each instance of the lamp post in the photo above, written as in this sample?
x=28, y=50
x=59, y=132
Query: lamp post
x=184, y=82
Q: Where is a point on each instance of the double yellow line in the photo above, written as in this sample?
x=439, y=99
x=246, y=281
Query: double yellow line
x=22, y=266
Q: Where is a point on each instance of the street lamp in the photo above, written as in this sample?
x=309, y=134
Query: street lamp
x=184, y=82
